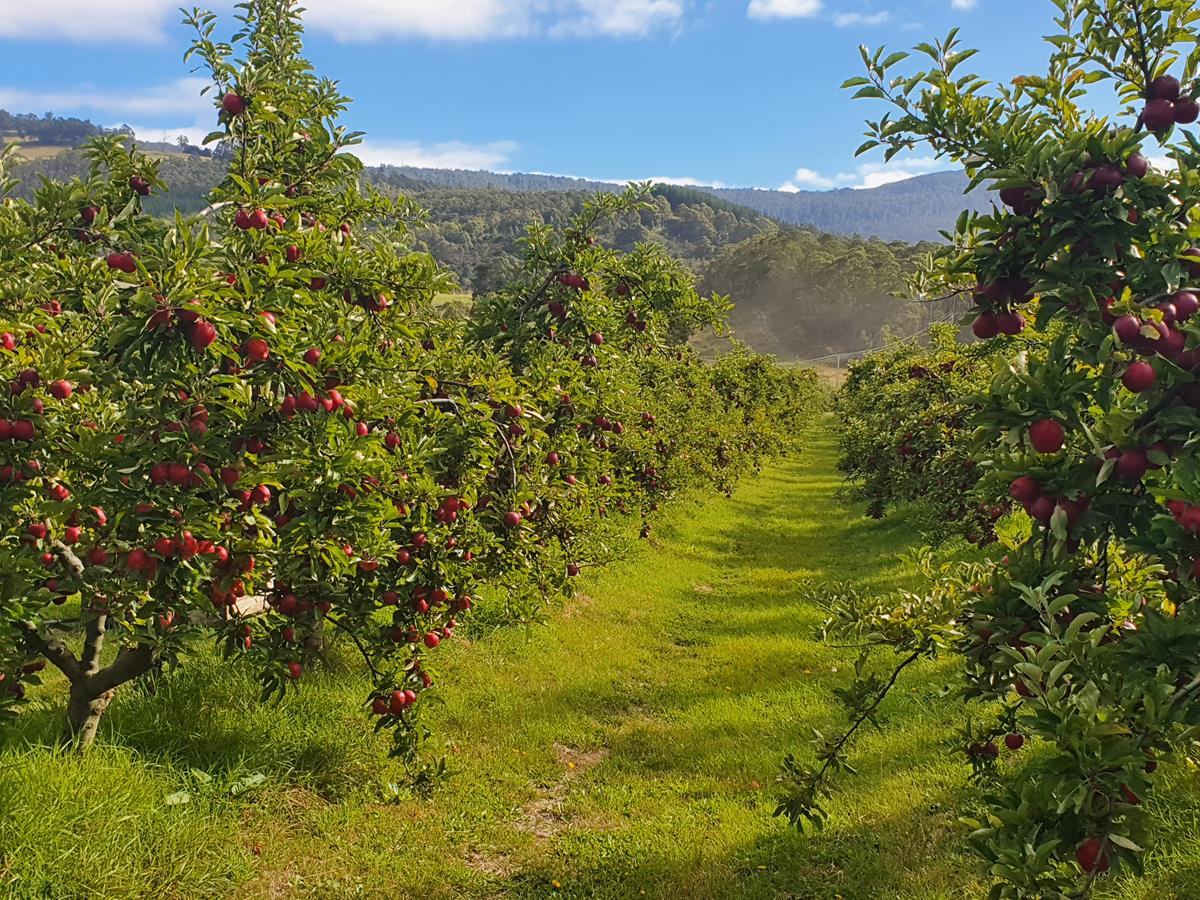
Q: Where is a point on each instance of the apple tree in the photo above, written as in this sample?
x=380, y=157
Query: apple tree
x=1082, y=639
x=253, y=426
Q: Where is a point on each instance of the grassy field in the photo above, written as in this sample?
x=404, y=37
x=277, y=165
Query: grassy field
x=37, y=151
x=628, y=749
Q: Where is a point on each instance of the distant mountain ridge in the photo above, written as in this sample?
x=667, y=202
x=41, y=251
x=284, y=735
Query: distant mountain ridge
x=916, y=209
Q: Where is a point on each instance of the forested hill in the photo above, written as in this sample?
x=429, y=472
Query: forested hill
x=475, y=230
x=798, y=292
x=916, y=209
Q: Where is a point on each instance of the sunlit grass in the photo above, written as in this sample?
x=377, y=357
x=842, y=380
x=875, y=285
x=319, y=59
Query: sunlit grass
x=628, y=749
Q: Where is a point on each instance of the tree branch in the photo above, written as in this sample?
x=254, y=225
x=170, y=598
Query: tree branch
x=130, y=663
x=54, y=651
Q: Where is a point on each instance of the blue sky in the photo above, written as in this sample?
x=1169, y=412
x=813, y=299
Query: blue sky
x=735, y=92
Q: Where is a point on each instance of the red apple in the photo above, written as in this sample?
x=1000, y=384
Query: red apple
x=1139, y=377
x=985, y=326
x=233, y=104
x=1091, y=857
x=202, y=334
x=1158, y=115
x=1164, y=87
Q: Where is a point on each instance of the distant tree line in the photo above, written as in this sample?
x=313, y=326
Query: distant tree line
x=802, y=294
x=798, y=293
x=51, y=129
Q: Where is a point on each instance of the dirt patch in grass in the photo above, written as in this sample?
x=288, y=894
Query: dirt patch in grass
x=544, y=816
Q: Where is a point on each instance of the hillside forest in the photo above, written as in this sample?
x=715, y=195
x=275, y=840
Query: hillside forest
x=798, y=292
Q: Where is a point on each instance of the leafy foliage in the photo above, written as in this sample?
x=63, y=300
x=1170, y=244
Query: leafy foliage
x=252, y=426
x=1080, y=638
x=907, y=435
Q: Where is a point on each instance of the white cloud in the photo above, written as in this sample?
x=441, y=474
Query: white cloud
x=682, y=182
x=964, y=4
x=620, y=18
x=137, y=21
x=866, y=175
x=192, y=115
x=172, y=98
x=478, y=20
x=846, y=20
x=783, y=9
x=364, y=20
x=870, y=175
x=807, y=179
x=446, y=155
x=145, y=21
x=178, y=102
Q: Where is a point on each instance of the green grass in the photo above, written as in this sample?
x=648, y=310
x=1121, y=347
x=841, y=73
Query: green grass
x=628, y=749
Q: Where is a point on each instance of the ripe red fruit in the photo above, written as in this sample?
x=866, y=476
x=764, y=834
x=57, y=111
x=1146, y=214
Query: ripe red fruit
x=8, y=341
x=139, y=185
x=23, y=430
x=1132, y=465
x=1139, y=377
x=1127, y=329
x=164, y=547
x=1164, y=87
x=293, y=253
x=572, y=569
x=379, y=706
x=552, y=458
x=1015, y=196
x=1192, y=261
x=1158, y=115
x=1130, y=797
x=61, y=389
x=1090, y=856
x=1187, y=110
x=140, y=561
x=71, y=534
x=312, y=356
x=432, y=640
x=1137, y=165
x=985, y=326
x=122, y=262
x=179, y=474
x=1186, y=305
x=261, y=495
x=256, y=350
x=1014, y=741
x=202, y=334
x=1106, y=178
x=294, y=670
x=1010, y=323
x=259, y=219
x=1042, y=508
x=512, y=519
x=1046, y=435
x=98, y=556
x=596, y=339
x=88, y=214
x=233, y=104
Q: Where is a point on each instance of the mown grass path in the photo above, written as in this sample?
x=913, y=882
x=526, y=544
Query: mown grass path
x=629, y=749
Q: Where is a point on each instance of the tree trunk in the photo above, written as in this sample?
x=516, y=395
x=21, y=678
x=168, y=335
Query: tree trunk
x=92, y=688
x=84, y=709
